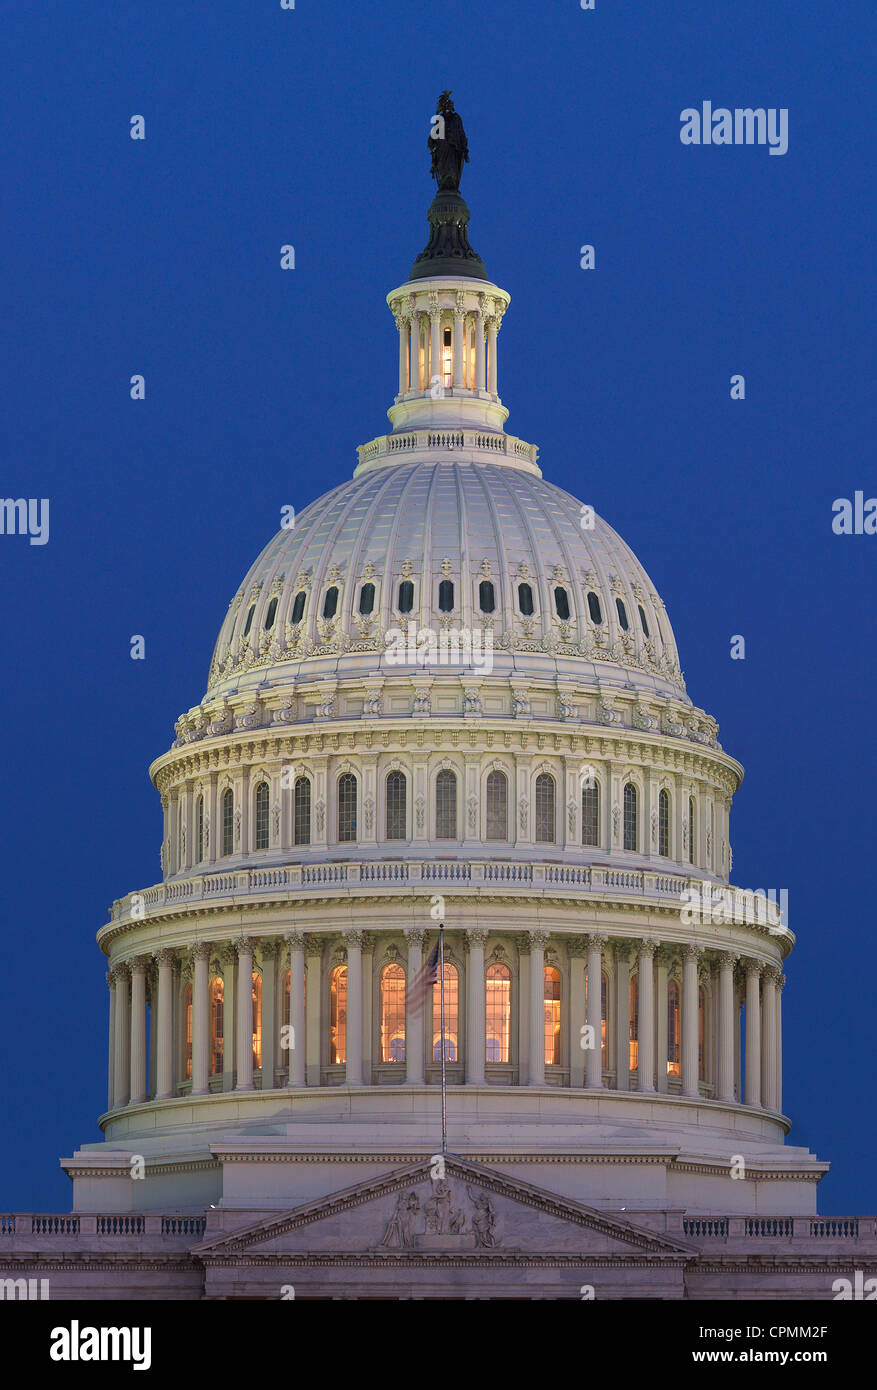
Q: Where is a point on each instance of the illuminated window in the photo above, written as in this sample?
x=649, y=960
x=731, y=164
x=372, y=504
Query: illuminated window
x=498, y=1012
x=392, y=1014
x=497, y=806
x=545, y=818
x=228, y=821
x=673, y=1029
x=301, y=806
x=701, y=1034
x=271, y=615
x=446, y=805
x=446, y=596
x=447, y=358
x=594, y=608
x=199, y=822
x=366, y=599
x=486, y=597
x=452, y=1013
x=525, y=600
x=346, y=806
x=256, y=987
x=397, y=819
x=330, y=603
x=406, y=596
x=591, y=815
x=338, y=1014
x=420, y=367
x=604, y=1015
x=188, y=1032
x=633, y=1059
x=642, y=618
x=630, y=816
x=561, y=603
x=298, y=607
x=262, y=816
x=691, y=830
x=664, y=823
x=552, y=1016
x=217, y=1026
x=622, y=614
x=249, y=623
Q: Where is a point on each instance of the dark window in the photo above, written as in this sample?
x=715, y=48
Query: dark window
x=302, y=811
x=561, y=603
x=249, y=623
x=366, y=599
x=486, y=601
x=406, y=596
x=271, y=614
x=262, y=816
x=497, y=806
x=642, y=618
x=228, y=821
x=525, y=600
x=591, y=815
x=622, y=614
x=545, y=819
x=397, y=789
x=594, y=608
x=298, y=607
x=664, y=824
x=347, y=806
x=446, y=596
x=330, y=603
x=446, y=805
x=630, y=816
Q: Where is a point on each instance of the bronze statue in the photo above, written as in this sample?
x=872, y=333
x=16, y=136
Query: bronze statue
x=448, y=146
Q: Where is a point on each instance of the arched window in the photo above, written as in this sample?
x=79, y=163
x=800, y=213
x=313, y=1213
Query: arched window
x=497, y=805
x=591, y=814
x=366, y=599
x=298, y=607
x=406, y=596
x=551, y=996
x=452, y=1014
x=262, y=816
x=498, y=1012
x=447, y=358
x=301, y=808
x=673, y=1029
x=249, y=623
x=397, y=810
x=545, y=818
x=691, y=831
x=664, y=823
x=622, y=614
x=561, y=603
x=257, y=1020
x=199, y=826
x=330, y=603
x=217, y=1026
x=633, y=1059
x=701, y=1034
x=486, y=600
x=630, y=816
x=525, y=600
x=338, y=1015
x=228, y=821
x=188, y=1002
x=642, y=619
x=446, y=805
x=346, y=806
x=271, y=615
x=604, y=1017
x=446, y=596
x=594, y=608
x=392, y=1014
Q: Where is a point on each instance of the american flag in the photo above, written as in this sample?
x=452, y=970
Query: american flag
x=424, y=981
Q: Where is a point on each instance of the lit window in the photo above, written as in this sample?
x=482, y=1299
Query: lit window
x=633, y=1059
x=338, y=1015
x=298, y=607
x=301, y=801
x=525, y=600
x=561, y=603
x=262, y=816
x=552, y=1016
x=257, y=1020
x=447, y=357
x=497, y=806
x=486, y=600
x=228, y=821
x=673, y=1029
x=446, y=805
x=392, y=1014
x=446, y=596
x=591, y=815
x=397, y=822
x=642, y=618
x=622, y=614
x=594, y=608
x=330, y=603
x=188, y=1032
x=217, y=1026
x=346, y=806
x=366, y=599
x=664, y=824
x=452, y=1011
x=545, y=817
x=498, y=1012
x=630, y=816
x=406, y=596
x=271, y=615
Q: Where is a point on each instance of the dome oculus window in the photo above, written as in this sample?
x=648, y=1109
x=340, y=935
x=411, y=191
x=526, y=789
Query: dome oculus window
x=642, y=619
x=271, y=615
x=561, y=603
x=622, y=614
x=367, y=599
x=406, y=596
x=594, y=608
x=486, y=600
x=330, y=603
x=298, y=607
x=525, y=600
x=446, y=596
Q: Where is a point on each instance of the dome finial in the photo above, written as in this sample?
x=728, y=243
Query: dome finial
x=448, y=251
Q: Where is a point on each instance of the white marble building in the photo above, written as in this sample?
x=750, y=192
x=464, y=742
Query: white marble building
x=553, y=794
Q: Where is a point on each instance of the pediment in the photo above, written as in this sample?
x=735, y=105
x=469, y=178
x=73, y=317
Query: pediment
x=472, y=1210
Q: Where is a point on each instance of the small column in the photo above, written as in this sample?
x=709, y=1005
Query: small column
x=435, y=346
x=211, y=821
x=138, y=1030
x=645, y=1075
x=313, y=1000
x=404, y=326
x=415, y=1017
x=270, y=1030
x=779, y=1010
x=111, y=1064
x=354, y=1007
x=690, y=1069
x=479, y=351
x=459, y=317
x=245, y=1014
x=576, y=947
x=297, y=1052
x=727, y=1019
x=753, y=1034
x=122, y=1083
x=200, y=1020
x=661, y=1040
x=769, y=1039
x=415, y=375
x=537, y=939
x=593, y=1055
x=622, y=1016
x=476, y=1023
x=492, y=330
x=164, y=1027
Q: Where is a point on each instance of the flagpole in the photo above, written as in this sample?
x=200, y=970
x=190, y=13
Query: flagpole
x=442, y=1025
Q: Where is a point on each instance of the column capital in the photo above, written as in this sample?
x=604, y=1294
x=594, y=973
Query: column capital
x=244, y=945
x=353, y=937
x=773, y=975
x=476, y=936
x=140, y=964
x=269, y=947
x=647, y=946
x=164, y=957
x=538, y=938
x=596, y=941
x=693, y=953
x=314, y=944
x=731, y=958
x=781, y=980
x=415, y=936
x=752, y=966
x=295, y=940
x=119, y=972
x=624, y=950
x=202, y=950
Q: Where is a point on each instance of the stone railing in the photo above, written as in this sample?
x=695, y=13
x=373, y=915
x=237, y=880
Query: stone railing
x=781, y=1228
x=447, y=440
x=54, y=1226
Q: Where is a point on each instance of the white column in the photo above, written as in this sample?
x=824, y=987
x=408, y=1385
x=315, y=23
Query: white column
x=769, y=1039
x=270, y=1028
x=645, y=1075
x=622, y=1016
x=576, y=948
x=313, y=1004
x=111, y=1063
x=661, y=1040
x=298, y=1034
x=435, y=346
x=780, y=982
x=138, y=1030
x=415, y=377
x=492, y=327
x=164, y=1027
x=354, y=1007
x=479, y=351
x=690, y=1086
x=244, y=1003
x=593, y=1055
x=753, y=1034
x=404, y=335
x=459, y=315
x=476, y=1002
x=122, y=1070
x=727, y=1027
x=200, y=1021
x=537, y=939
x=414, y=1018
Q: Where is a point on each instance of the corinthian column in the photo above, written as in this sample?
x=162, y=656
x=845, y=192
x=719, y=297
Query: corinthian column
x=459, y=315
x=479, y=351
x=727, y=1021
x=297, y=1038
x=111, y=1064
x=404, y=326
x=414, y=1019
x=122, y=1083
x=164, y=1026
x=475, y=999
x=622, y=1016
x=492, y=328
x=594, y=1054
x=645, y=1072
x=538, y=939
x=354, y=1007
x=245, y=1014
x=690, y=1069
x=138, y=1030
x=769, y=1039
x=753, y=1034
x=200, y=1020
x=780, y=982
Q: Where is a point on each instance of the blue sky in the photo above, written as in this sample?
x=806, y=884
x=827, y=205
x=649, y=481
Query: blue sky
x=266, y=127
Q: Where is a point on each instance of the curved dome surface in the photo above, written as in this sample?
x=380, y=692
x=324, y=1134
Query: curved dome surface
x=596, y=616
